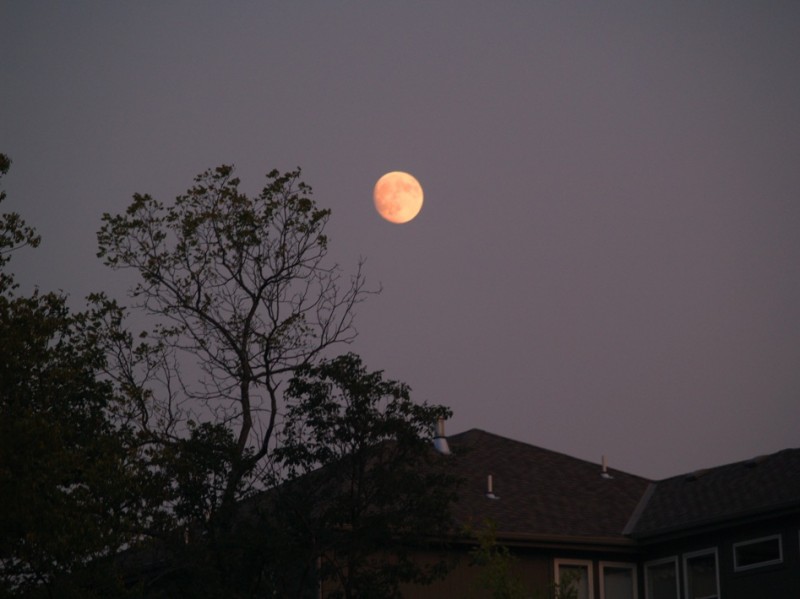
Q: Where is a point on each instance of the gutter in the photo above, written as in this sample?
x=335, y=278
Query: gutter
x=552, y=541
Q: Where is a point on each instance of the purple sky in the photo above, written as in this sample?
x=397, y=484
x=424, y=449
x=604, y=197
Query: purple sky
x=608, y=258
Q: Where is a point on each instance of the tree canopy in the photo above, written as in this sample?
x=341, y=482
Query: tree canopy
x=365, y=485
x=67, y=484
x=239, y=288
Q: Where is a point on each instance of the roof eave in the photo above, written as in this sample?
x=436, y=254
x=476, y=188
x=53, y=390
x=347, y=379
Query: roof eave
x=712, y=524
x=551, y=541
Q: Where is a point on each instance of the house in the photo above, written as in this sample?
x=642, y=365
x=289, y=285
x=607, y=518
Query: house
x=730, y=532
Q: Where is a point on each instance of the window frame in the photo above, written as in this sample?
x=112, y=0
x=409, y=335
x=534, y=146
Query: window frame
x=619, y=565
x=687, y=556
x=772, y=562
x=658, y=562
x=587, y=563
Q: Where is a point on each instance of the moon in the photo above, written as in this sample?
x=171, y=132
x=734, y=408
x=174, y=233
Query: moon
x=398, y=197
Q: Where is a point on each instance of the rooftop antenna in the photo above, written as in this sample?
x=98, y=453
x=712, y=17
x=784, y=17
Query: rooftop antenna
x=439, y=440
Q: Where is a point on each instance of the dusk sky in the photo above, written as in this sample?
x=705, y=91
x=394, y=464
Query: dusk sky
x=607, y=261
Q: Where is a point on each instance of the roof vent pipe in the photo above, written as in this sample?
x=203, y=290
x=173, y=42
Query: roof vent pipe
x=490, y=488
x=605, y=473
x=439, y=440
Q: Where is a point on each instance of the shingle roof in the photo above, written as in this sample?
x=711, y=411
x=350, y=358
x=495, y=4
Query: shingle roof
x=754, y=487
x=541, y=492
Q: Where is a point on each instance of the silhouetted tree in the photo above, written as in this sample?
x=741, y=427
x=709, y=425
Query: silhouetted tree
x=241, y=295
x=241, y=290
x=67, y=484
x=365, y=487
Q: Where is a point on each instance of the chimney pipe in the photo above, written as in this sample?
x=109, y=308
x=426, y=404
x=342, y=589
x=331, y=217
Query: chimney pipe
x=439, y=440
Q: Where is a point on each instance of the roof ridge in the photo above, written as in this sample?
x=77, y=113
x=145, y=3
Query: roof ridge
x=544, y=449
x=751, y=461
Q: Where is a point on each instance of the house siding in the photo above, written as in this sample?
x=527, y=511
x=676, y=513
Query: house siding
x=465, y=579
x=777, y=581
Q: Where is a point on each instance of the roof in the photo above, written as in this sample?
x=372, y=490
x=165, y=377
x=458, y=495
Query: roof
x=758, y=487
x=542, y=493
x=547, y=495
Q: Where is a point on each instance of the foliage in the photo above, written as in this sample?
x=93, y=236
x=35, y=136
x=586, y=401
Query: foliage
x=497, y=562
x=567, y=586
x=365, y=484
x=66, y=480
x=14, y=233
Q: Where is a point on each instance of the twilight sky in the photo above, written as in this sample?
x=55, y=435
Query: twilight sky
x=608, y=258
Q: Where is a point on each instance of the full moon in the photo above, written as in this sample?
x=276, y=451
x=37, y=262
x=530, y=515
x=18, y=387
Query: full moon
x=398, y=197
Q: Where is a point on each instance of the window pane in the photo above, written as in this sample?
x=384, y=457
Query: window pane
x=760, y=552
x=661, y=582
x=618, y=583
x=577, y=577
x=701, y=574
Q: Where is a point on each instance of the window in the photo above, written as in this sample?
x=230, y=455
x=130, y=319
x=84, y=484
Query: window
x=757, y=553
x=617, y=581
x=702, y=579
x=661, y=579
x=576, y=574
